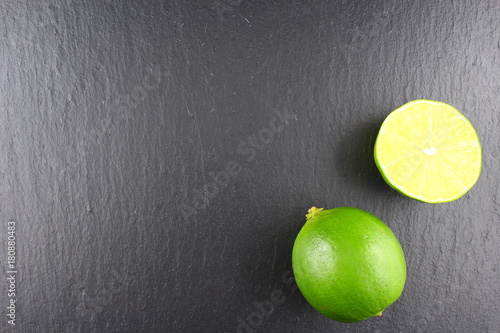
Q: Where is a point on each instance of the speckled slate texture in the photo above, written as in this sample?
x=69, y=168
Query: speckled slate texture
x=158, y=158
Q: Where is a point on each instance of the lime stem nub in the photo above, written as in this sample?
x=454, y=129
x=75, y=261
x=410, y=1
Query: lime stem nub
x=312, y=212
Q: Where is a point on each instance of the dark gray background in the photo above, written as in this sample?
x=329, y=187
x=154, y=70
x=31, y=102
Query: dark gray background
x=115, y=114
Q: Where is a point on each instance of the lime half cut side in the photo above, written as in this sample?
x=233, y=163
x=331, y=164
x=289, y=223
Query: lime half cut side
x=429, y=151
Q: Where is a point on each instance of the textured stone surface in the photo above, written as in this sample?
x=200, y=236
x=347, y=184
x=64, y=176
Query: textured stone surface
x=116, y=115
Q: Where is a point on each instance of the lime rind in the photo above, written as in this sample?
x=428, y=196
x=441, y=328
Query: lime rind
x=400, y=187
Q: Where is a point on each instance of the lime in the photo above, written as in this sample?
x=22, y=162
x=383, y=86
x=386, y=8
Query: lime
x=348, y=264
x=428, y=151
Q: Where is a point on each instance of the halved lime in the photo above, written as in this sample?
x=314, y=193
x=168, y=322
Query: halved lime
x=428, y=151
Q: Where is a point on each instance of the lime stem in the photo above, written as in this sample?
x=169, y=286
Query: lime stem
x=312, y=212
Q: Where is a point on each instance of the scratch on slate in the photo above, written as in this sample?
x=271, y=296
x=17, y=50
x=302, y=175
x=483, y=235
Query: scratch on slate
x=224, y=248
x=187, y=109
x=244, y=18
x=200, y=144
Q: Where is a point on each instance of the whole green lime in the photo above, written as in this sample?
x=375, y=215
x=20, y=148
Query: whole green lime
x=348, y=264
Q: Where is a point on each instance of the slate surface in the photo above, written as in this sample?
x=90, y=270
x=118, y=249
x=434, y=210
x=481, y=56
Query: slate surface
x=116, y=115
